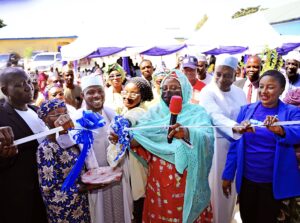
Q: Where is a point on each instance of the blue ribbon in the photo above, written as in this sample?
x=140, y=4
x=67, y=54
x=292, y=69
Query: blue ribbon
x=125, y=136
x=89, y=121
x=255, y=122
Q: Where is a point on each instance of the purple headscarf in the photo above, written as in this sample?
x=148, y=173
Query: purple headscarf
x=293, y=97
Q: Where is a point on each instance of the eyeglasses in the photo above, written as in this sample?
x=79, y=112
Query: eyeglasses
x=57, y=114
x=130, y=95
x=116, y=76
x=57, y=93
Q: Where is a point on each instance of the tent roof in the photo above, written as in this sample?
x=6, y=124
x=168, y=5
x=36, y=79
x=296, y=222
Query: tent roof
x=131, y=40
x=251, y=31
x=287, y=12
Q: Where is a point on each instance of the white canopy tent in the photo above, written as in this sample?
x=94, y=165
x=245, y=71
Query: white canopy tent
x=252, y=31
x=134, y=41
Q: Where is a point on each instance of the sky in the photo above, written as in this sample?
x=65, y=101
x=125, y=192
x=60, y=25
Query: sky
x=73, y=17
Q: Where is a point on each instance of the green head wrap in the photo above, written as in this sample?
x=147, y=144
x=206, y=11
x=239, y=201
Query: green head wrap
x=197, y=161
x=113, y=67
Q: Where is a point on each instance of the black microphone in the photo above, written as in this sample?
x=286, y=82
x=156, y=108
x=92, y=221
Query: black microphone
x=175, y=108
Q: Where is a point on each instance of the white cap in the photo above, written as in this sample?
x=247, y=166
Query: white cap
x=201, y=57
x=91, y=80
x=227, y=60
x=293, y=55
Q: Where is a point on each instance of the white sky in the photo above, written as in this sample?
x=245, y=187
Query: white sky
x=70, y=17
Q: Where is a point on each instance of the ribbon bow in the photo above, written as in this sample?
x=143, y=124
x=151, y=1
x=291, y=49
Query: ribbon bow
x=84, y=136
x=120, y=126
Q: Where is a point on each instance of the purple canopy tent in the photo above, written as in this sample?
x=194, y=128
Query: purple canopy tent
x=226, y=49
x=105, y=51
x=163, y=50
x=287, y=47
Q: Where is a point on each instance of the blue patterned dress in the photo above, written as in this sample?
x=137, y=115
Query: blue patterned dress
x=54, y=164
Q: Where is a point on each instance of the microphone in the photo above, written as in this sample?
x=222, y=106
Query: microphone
x=175, y=108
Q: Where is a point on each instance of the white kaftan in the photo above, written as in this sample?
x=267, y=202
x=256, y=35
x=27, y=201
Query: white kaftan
x=223, y=107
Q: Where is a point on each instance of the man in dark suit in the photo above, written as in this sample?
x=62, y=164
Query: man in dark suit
x=19, y=189
x=21, y=200
x=250, y=83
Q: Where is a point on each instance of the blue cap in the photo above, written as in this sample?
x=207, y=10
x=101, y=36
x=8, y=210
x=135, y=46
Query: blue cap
x=190, y=61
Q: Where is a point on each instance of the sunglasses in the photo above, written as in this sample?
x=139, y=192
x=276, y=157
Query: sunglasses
x=116, y=76
x=130, y=95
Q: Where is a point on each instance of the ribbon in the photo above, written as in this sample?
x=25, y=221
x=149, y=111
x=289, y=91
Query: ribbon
x=120, y=127
x=84, y=136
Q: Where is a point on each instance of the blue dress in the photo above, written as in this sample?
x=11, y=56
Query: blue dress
x=54, y=164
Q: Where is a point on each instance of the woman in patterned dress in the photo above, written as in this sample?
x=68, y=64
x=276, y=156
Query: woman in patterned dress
x=55, y=158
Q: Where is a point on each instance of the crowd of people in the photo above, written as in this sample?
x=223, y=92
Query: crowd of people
x=235, y=141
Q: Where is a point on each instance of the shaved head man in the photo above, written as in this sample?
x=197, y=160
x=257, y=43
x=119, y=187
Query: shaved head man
x=250, y=83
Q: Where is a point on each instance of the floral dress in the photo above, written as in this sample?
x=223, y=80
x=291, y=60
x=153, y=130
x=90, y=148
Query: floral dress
x=54, y=164
x=165, y=192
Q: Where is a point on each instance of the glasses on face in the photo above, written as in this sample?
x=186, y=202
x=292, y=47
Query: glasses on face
x=130, y=95
x=114, y=76
x=57, y=93
x=57, y=114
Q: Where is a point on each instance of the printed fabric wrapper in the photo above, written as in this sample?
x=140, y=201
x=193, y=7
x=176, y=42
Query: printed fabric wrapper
x=115, y=153
x=88, y=122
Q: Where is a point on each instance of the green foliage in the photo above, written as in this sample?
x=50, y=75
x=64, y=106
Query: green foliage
x=244, y=12
x=28, y=52
x=201, y=22
x=2, y=23
x=271, y=60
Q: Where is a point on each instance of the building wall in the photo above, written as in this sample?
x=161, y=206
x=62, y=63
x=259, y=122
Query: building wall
x=288, y=28
x=23, y=46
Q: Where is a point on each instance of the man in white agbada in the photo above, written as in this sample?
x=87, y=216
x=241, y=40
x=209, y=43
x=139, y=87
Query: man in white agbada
x=113, y=203
x=222, y=101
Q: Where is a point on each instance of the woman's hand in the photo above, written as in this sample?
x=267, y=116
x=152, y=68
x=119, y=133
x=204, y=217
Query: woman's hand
x=245, y=126
x=65, y=121
x=178, y=132
x=226, y=186
x=113, y=138
x=277, y=129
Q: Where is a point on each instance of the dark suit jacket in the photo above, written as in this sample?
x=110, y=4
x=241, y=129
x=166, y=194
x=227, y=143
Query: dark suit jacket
x=20, y=198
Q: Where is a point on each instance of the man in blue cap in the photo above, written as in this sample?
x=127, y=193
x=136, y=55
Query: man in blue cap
x=189, y=66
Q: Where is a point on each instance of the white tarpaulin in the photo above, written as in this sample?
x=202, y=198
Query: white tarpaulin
x=136, y=41
x=251, y=31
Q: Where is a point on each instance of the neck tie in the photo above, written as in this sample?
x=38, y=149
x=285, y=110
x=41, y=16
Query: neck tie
x=249, y=95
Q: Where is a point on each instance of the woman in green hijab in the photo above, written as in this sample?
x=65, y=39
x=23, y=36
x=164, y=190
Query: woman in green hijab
x=177, y=183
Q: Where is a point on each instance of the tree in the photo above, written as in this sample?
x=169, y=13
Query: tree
x=2, y=24
x=201, y=22
x=246, y=11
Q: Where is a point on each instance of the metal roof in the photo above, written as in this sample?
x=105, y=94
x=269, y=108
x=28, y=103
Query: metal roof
x=284, y=13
